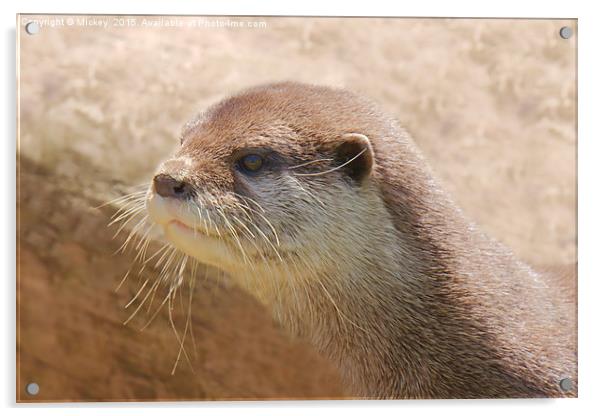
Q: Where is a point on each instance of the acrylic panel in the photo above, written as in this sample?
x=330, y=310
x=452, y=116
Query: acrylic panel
x=268, y=208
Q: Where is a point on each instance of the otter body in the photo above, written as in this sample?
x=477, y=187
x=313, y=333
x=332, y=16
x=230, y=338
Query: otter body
x=324, y=209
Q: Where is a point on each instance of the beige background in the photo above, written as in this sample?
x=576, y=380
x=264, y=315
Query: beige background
x=492, y=104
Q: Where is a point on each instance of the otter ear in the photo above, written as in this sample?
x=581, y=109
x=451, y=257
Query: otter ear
x=355, y=155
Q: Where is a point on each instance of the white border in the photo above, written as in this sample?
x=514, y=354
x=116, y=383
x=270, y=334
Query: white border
x=589, y=212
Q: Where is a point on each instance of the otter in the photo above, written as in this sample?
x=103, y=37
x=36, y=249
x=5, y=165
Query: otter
x=323, y=208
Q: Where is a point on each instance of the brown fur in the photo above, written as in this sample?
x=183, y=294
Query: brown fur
x=383, y=274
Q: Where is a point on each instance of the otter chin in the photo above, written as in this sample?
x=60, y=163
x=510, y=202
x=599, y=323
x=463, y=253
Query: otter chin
x=322, y=207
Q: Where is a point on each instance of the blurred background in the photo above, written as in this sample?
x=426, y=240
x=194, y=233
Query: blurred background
x=491, y=103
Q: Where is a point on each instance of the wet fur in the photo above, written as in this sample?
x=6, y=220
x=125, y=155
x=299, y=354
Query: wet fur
x=383, y=274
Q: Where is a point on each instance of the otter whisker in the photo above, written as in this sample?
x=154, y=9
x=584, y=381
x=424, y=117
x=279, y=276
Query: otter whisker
x=132, y=216
x=137, y=294
x=164, y=275
x=333, y=169
x=234, y=235
x=210, y=221
x=166, y=245
x=121, y=199
x=265, y=237
x=165, y=269
x=269, y=224
x=144, y=240
x=176, y=276
x=143, y=265
x=203, y=219
x=158, y=308
x=182, y=349
x=141, y=239
x=181, y=268
x=247, y=199
x=252, y=241
x=126, y=207
x=128, y=239
x=142, y=302
x=177, y=281
x=243, y=209
x=188, y=320
x=194, y=223
x=132, y=233
x=310, y=163
x=154, y=315
x=191, y=287
x=310, y=194
x=122, y=281
x=169, y=251
x=217, y=231
x=242, y=224
x=142, y=251
x=130, y=212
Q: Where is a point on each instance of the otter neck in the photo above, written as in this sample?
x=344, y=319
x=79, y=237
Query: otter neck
x=402, y=318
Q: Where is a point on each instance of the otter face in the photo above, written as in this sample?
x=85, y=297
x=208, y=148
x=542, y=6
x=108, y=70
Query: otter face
x=260, y=195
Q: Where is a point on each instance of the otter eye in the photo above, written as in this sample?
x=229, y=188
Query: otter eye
x=251, y=163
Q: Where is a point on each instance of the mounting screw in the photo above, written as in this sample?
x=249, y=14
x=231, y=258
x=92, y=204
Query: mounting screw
x=565, y=32
x=32, y=28
x=566, y=384
x=32, y=389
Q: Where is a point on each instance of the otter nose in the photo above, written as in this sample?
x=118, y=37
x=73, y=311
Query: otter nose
x=169, y=187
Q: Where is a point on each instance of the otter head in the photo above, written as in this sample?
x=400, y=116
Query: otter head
x=276, y=181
